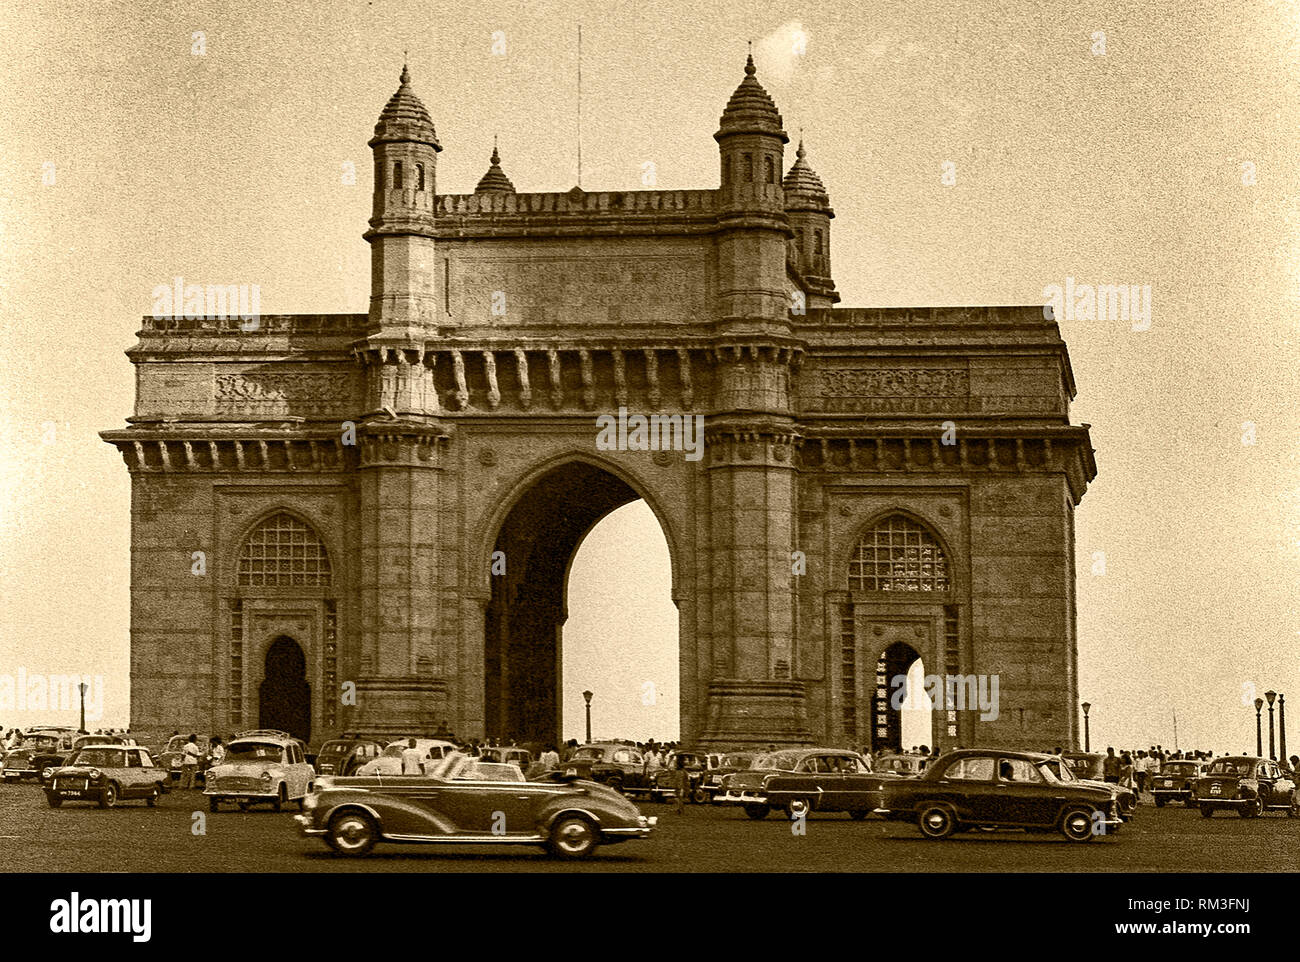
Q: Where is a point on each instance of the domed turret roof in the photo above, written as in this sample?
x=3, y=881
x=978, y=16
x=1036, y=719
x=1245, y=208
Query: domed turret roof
x=495, y=180
x=750, y=109
x=405, y=117
x=802, y=180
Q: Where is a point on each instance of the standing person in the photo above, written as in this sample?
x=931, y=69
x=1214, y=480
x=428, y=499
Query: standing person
x=1110, y=767
x=550, y=758
x=216, y=751
x=1126, y=771
x=190, y=756
x=1140, y=771
x=412, y=759
x=680, y=781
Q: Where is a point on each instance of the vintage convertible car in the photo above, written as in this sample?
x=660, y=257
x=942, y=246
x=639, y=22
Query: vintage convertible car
x=1176, y=782
x=1248, y=783
x=260, y=766
x=991, y=789
x=106, y=773
x=38, y=745
x=343, y=756
x=469, y=802
x=802, y=780
x=389, y=761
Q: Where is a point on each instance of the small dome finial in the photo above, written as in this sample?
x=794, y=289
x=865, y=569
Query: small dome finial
x=749, y=60
x=496, y=157
x=800, y=152
x=406, y=73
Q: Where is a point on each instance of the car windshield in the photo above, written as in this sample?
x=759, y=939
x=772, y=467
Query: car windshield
x=736, y=761
x=253, y=751
x=99, y=757
x=334, y=748
x=42, y=743
x=1055, y=771
x=1179, y=768
x=1229, y=766
x=779, y=761
x=592, y=753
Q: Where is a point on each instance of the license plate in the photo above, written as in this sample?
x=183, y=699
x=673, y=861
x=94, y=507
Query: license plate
x=1167, y=783
x=66, y=793
x=1216, y=789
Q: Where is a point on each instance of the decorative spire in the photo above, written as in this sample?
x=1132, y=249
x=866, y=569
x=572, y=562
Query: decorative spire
x=495, y=180
x=750, y=109
x=803, y=188
x=405, y=117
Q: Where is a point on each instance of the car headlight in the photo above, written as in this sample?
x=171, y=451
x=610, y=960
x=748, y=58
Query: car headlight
x=95, y=774
x=266, y=777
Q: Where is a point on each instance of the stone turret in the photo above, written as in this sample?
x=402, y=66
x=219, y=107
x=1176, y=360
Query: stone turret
x=751, y=211
x=403, y=298
x=808, y=207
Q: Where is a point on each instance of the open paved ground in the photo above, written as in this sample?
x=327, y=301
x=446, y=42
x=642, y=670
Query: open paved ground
x=134, y=838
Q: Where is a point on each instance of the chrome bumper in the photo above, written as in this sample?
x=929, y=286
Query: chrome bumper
x=743, y=798
x=305, y=825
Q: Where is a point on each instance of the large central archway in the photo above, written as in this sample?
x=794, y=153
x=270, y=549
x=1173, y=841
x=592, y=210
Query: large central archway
x=525, y=616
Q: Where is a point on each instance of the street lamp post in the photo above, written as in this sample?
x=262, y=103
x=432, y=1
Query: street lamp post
x=1281, y=726
x=1087, y=745
x=586, y=695
x=1259, y=731
x=83, y=688
x=1271, y=696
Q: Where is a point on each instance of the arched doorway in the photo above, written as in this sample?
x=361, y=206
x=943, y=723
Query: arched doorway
x=527, y=611
x=902, y=712
x=284, y=697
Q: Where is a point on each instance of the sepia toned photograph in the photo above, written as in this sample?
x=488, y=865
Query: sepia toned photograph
x=502, y=439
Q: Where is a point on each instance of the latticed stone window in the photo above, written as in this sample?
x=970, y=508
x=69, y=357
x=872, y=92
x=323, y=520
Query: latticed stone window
x=898, y=555
x=283, y=552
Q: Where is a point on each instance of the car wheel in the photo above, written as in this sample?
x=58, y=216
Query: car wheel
x=280, y=799
x=573, y=837
x=1160, y=801
x=757, y=810
x=699, y=796
x=800, y=807
x=108, y=797
x=213, y=804
x=936, y=822
x=152, y=798
x=1076, y=824
x=1254, y=810
x=352, y=833
x=858, y=814
x=53, y=799
x=1207, y=811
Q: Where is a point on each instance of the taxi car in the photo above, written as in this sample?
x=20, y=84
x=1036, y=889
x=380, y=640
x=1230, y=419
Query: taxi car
x=728, y=763
x=802, y=780
x=991, y=789
x=389, y=761
x=343, y=756
x=470, y=802
x=1176, y=782
x=46, y=762
x=263, y=765
x=21, y=762
x=106, y=773
x=1248, y=783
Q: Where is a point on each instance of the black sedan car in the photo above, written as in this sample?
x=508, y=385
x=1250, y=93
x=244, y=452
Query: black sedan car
x=991, y=789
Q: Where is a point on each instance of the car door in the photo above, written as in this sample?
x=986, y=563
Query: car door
x=969, y=785
x=1024, y=794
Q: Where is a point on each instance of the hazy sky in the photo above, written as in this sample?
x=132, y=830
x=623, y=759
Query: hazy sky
x=1122, y=168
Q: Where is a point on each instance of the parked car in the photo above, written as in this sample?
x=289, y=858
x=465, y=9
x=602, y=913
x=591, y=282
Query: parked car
x=1091, y=767
x=1176, y=782
x=172, y=756
x=697, y=765
x=521, y=758
x=727, y=764
x=260, y=766
x=801, y=780
x=343, y=756
x=389, y=761
x=620, y=766
x=468, y=801
x=46, y=762
x=106, y=773
x=21, y=762
x=991, y=789
x=1248, y=783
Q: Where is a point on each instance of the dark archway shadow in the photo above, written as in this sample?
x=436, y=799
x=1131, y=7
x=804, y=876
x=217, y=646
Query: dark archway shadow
x=284, y=697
